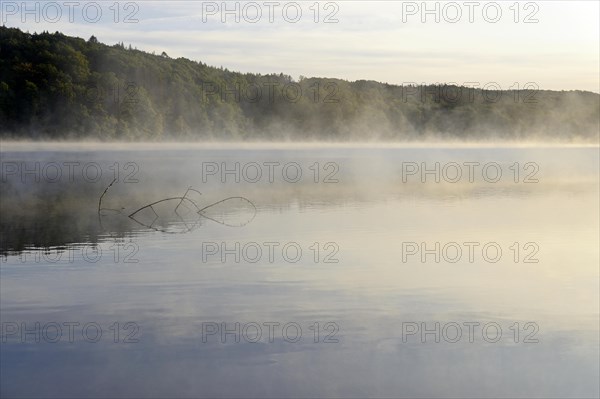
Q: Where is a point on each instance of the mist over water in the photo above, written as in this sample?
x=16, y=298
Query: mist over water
x=240, y=199
x=357, y=245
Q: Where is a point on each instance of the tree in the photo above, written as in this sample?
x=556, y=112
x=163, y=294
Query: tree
x=55, y=85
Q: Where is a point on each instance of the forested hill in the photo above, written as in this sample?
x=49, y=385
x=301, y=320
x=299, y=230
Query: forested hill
x=57, y=87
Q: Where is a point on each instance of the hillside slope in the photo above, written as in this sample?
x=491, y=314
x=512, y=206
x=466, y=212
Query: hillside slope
x=54, y=87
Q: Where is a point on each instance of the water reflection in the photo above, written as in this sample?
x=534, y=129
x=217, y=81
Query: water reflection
x=355, y=267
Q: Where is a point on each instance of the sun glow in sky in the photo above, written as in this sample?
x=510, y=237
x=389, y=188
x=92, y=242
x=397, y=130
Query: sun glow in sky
x=553, y=44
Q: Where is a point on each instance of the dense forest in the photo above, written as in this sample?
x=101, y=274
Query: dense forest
x=54, y=86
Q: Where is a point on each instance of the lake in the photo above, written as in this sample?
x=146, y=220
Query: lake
x=299, y=270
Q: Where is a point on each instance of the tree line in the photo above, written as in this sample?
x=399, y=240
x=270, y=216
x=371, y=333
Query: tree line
x=53, y=86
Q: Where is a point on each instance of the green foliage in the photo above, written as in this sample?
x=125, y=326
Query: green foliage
x=55, y=86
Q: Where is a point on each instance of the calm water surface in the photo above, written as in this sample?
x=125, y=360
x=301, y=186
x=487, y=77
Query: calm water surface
x=348, y=271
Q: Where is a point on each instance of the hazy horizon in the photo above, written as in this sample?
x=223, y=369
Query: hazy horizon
x=554, y=44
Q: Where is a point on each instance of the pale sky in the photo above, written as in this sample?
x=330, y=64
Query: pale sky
x=387, y=41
